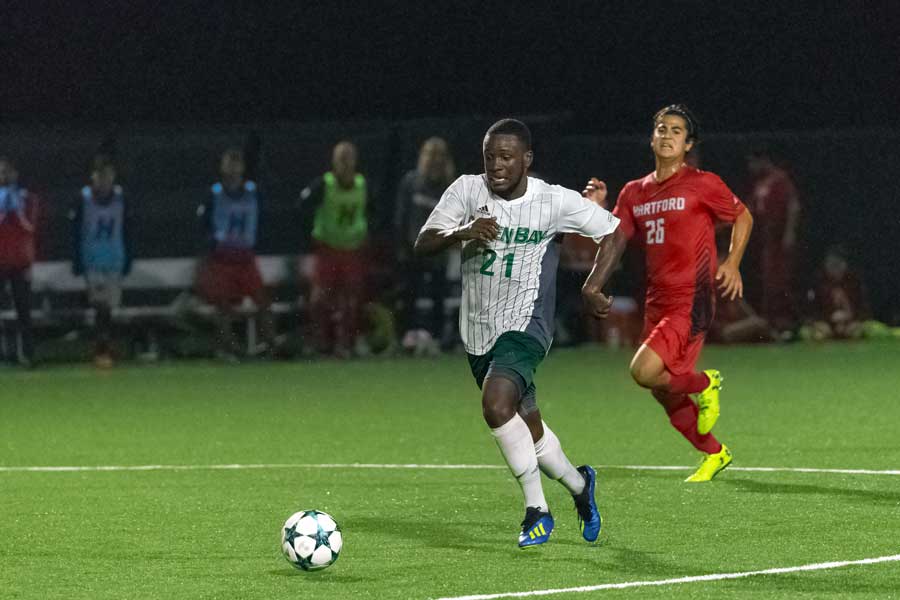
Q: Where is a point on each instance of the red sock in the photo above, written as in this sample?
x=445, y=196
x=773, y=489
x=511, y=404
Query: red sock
x=684, y=418
x=688, y=383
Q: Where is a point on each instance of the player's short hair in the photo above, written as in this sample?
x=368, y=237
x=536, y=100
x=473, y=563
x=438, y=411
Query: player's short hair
x=233, y=154
x=511, y=127
x=101, y=162
x=681, y=110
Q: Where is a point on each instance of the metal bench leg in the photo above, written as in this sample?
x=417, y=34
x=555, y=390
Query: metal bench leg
x=251, y=335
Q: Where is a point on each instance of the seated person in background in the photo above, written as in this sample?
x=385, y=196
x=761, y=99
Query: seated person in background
x=839, y=308
x=101, y=226
x=18, y=216
x=229, y=273
x=334, y=214
x=735, y=321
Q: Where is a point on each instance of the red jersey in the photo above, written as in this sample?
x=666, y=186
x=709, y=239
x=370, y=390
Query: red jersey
x=674, y=222
x=771, y=198
x=18, y=216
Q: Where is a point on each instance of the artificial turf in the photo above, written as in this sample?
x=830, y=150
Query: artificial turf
x=428, y=533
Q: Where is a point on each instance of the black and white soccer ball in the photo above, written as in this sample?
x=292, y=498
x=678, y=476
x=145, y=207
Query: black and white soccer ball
x=311, y=540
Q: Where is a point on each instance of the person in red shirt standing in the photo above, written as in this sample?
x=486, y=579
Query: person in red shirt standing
x=672, y=213
x=774, y=200
x=18, y=216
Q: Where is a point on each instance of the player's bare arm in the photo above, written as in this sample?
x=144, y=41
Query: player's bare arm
x=432, y=241
x=729, y=274
x=611, y=249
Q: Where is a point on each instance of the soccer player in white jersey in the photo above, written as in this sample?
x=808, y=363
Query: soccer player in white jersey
x=510, y=227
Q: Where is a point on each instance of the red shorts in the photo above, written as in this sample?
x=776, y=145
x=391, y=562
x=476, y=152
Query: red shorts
x=339, y=271
x=669, y=331
x=228, y=282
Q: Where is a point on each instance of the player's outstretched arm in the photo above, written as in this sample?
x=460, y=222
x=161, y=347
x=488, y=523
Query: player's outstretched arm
x=432, y=241
x=729, y=274
x=611, y=249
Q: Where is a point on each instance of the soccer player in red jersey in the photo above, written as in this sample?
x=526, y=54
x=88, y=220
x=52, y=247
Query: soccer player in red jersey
x=672, y=213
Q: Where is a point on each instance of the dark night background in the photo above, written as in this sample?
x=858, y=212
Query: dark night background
x=169, y=84
x=743, y=66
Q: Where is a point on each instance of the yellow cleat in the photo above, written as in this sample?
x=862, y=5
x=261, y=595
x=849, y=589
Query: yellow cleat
x=711, y=466
x=708, y=401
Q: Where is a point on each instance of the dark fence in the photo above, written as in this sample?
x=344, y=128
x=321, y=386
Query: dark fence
x=847, y=179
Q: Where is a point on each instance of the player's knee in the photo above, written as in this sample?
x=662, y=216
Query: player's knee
x=642, y=375
x=498, y=402
x=496, y=412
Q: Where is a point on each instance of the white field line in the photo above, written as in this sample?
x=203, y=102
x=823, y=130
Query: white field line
x=239, y=467
x=692, y=579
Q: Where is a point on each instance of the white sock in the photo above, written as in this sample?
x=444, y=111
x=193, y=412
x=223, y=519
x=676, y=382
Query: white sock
x=554, y=463
x=514, y=440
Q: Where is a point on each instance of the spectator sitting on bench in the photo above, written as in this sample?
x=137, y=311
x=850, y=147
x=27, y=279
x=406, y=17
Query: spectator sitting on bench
x=101, y=226
x=839, y=306
x=229, y=272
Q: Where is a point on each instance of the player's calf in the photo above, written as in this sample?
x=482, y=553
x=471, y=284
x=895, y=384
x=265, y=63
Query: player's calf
x=708, y=402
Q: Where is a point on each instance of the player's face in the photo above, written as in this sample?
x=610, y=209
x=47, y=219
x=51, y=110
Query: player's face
x=343, y=163
x=433, y=158
x=232, y=168
x=8, y=174
x=757, y=165
x=506, y=163
x=103, y=180
x=669, y=139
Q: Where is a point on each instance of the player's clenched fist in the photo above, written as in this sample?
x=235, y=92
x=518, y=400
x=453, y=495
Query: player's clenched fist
x=482, y=229
x=595, y=191
x=598, y=303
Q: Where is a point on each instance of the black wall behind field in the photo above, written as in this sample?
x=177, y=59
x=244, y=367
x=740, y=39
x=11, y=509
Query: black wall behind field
x=846, y=179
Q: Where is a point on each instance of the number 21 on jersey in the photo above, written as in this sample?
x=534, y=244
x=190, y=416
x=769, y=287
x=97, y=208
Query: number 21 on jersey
x=490, y=256
x=656, y=233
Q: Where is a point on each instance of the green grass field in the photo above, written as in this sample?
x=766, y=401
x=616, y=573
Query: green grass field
x=429, y=533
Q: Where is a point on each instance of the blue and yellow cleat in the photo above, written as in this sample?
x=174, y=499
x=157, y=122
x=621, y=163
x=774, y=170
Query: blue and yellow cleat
x=588, y=516
x=536, y=527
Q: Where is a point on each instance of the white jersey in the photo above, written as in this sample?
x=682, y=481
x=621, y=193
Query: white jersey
x=509, y=284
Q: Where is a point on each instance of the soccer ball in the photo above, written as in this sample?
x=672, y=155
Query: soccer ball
x=311, y=540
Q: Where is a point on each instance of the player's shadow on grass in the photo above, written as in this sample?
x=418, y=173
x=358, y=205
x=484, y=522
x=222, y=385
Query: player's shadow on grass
x=326, y=577
x=627, y=562
x=762, y=487
x=457, y=534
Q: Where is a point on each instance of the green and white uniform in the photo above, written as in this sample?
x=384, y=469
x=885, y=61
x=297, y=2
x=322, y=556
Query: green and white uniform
x=509, y=284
